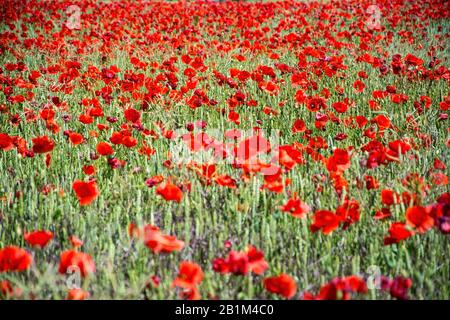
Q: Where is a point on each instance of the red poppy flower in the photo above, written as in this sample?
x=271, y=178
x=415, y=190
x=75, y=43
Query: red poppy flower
x=6, y=142
x=74, y=261
x=241, y=263
x=189, y=276
x=295, y=207
x=397, y=287
x=419, y=218
x=339, y=161
x=76, y=138
x=389, y=197
x=38, y=238
x=86, y=192
x=225, y=181
x=42, y=144
x=299, y=126
x=382, y=122
x=89, y=170
x=155, y=240
x=288, y=156
x=14, y=259
x=283, y=285
x=382, y=214
x=397, y=233
x=77, y=294
x=104, y=149
x=326, y=221
x=169, y=192
x=339, y=289
x=132, y=115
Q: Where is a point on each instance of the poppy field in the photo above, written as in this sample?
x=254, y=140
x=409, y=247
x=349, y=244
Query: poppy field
x=224, y=150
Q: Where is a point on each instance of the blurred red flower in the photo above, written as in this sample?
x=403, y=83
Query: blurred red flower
x=77, y=294
x=155, y=240
x=169, y=192
x=283, y=285
x=79, y=261
x=86, y=192
x=13, y=258
x=104, y=149
x=42, y=144
x=38, y=238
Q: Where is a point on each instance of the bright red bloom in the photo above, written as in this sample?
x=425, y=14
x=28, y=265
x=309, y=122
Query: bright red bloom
x=6, y=142
x=77, y=294
x=104, y=149
x=169, y=192
x=419, y=218
x=225, y=181
x=339, y=289
x=283, y=285
x=86, y=192
x=326, y=221
x=13, y=258
x=89, y=170
x=299, y=126
x=382, y=122
x=76, y=138
x=349, y=212
x=397, y=287
x=42, y=144
x=339, y=161
x=397, y=233
x=189, y=276
x=155, y=240
x=132, y=115
x=38, y=238
x=295, y=207
x=74, y=261
x=389, y=197
x=241, y=263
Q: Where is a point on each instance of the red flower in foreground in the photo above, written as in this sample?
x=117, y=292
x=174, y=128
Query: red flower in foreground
x=295, y=207
x=189, y=276
x=6, y=142
x=397, y=233
x=104, y=149
x=155, y=240
x=14, y=259
x=132, y=115
x=86, y=191
x=38, y=238
x=326, y=221
x=42, y=144
x=169, y=192
x=283, y=285
x=397, y=287
x=418, y=217
x=241, y=263
x=339, y=161
x=73, y=261
x=389, y=197
x=339, y=289
x=77, y=294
